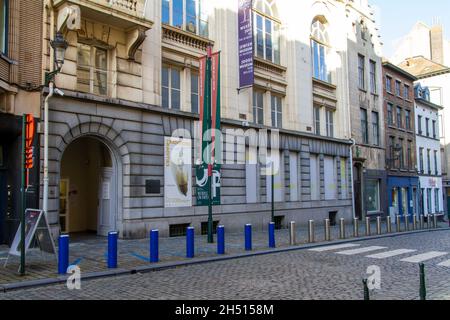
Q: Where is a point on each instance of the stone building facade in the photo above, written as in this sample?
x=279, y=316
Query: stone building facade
x=132, y=80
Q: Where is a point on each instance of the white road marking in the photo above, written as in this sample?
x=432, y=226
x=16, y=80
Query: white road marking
x=444, y=264
x=425, y=256
x=335, y=247
x=360, y=250
x=389, y=254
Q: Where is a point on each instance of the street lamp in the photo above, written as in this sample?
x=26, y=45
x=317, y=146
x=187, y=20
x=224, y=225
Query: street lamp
x=59, y=46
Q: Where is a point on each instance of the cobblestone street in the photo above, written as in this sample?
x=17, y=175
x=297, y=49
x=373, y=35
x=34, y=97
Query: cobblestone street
x=321, y=273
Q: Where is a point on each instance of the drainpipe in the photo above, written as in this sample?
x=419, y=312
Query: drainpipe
x=351, y=175
x=49, y=96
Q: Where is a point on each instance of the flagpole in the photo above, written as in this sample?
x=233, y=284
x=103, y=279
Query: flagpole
x=210, y=165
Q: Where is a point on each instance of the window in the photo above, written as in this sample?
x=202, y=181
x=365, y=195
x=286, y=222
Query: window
x=406, y=92
x=401, y=154
x=330, y=123
x=434, y=129
x=189, y=15
x=410, y=155
x=408, y=120
x=399, y=117
x=390, y=112
x=267, y=32
x=194, y=92
x=317, y=120
x=361, y=72
x=436, y=168
x=171, y=88
x=92, y=69
x=392, y=151
x=436, y=201
x=320, y=48
x=422, y=169
x=429, y=201
x=397, y=88
x=373, y=195
x=373, y=77
x=427, y=126
x=4, y=26
x=429, y=161
x=277, y=115
x=375, y=128
x=364, y=127
x=388, y=84
x=258, y=107
x=419, y=124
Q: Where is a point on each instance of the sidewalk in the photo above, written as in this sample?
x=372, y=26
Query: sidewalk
x=90, y=253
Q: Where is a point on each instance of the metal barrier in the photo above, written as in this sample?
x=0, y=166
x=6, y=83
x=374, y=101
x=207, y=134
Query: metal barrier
x=368, y=233
x=435, y=217
x=342, y=228
x=397, y=222
x=388, y=224
x=190, y=242
x=112, y=249
x=355, y=227
x=311, y=231
x=154, y=246
x=292, y=237
x=422, y=222
x=220, y=240
x=378, y=225
x=272, y=235
x=414, y=222
x=327, y=230
x=248, y=237
x=63, y=253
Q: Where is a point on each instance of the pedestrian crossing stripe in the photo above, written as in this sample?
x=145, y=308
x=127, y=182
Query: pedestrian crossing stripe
x=335, y=247
x=444, y=264
x=424, y=256
x=360, y=250
x=389, y=254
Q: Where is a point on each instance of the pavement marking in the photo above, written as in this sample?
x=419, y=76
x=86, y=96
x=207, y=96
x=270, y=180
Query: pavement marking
x=444, y=264
x=389, y=254
x=360, y=250
x=425, y=256
x=335, y=247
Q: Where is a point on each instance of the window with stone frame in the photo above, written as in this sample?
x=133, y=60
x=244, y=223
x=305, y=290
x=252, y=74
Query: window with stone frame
x=258, y=107
x=92, y=69
x=277, y=111
x=364, y=126
x=317, y=120
x=320, y=49
x=195, y=85
x=329, y=113
x=266, y=30
x=188, y=15
x=171, y=87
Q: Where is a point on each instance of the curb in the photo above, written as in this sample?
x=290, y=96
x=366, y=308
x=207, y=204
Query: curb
x=172, y=265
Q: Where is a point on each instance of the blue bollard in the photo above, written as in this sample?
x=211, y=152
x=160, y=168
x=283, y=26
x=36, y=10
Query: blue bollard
x=63, y=254
x=154, y=246
x=248, y=237
x=272, y=235
x=112, y=249
x=190, y=242
x=221, y=240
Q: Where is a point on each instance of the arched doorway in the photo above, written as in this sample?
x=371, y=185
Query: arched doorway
x=88, y=188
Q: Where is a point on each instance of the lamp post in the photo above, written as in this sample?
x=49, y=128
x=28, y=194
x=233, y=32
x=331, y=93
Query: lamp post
x=59, y=46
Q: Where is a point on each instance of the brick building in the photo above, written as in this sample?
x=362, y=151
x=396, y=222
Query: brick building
x=401, y=163
x=20, y=93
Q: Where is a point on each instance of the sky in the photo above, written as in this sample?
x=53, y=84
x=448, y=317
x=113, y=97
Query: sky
x=397, y=17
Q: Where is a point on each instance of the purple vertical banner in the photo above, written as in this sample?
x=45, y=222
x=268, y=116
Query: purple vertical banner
x=246, y=51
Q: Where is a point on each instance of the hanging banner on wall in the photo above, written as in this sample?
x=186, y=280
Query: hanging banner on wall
x=177, y=172
x=246, y=50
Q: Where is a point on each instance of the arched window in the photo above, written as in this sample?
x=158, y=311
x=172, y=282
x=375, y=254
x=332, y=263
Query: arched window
x=320, y=47
x=267, y=30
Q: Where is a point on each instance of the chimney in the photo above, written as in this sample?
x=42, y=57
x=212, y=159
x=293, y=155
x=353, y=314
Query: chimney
x=437, y=43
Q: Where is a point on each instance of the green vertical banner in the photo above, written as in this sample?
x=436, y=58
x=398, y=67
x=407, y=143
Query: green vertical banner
x=210, y=118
